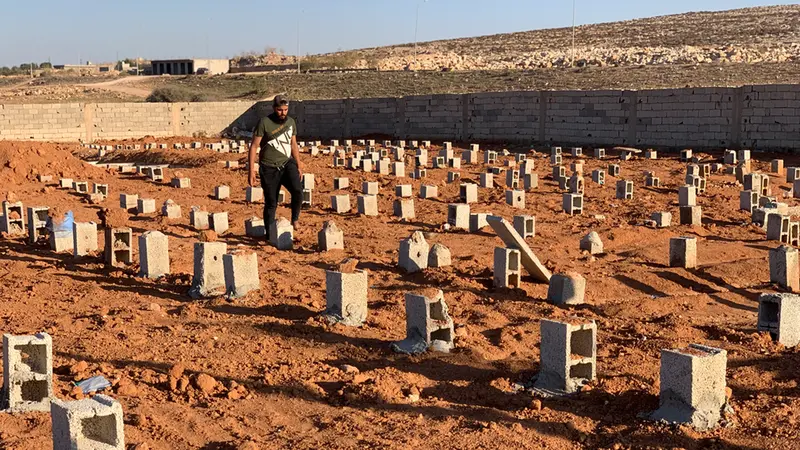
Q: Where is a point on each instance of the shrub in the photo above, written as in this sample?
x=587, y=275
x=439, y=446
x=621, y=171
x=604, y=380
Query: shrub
x=173, y=94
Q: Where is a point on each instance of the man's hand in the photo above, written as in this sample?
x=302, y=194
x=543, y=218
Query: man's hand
x=300, y=169
x=252, y=178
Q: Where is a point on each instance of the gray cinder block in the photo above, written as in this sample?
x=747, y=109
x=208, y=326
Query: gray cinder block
x=428, y=191
x=613, y=170
x=119, y=246
x=516, y=198
x=218, y=222
x=468, y=192
x=37, y=224
x=340, y=203
x=784, y=267
x=439, y=256
x=776, y=166
x=307, y=181
x=477, y=221
x=687, y=196
x=748, y=201
x=624, y=190
x=330, y=237
x=568, y=355
x=128, y=201
x=575, y=184
x=209, y=272
x=182, y=183
x=27, y=372
x=84, y=238
x=222, y=192
x=308, y=198
x=512, y=179
x=683, y=252
x=691, y=215
x=507, y=268
x=458, y=215
x=651, y=180
x=198, y=218
x=154, y=254
x=241, y=273
x=486, y=180
x=572, y=203
x=592, y=243
x=369, y=188
x=452, y=177
x=66, y=183
x=489, y=157
x=93, y=423
x=662, y=219
x=686, y=155
x=428, y=324
x=525, y=226
x=81, y=187
x=566, y=289
x=414, y=253
x=171, y=210
x=779, y=314
x=403, y=190
x=282, y=234
x=599, y=176
x=512, y=239
x=692, y=386
x=530, y=181
x=368, y=205
x=254, y=227
x=145, y=206
x=341, y=183
x=729, y=157
x=404, y=208
x=559, y=172
x=254, y=194
x=346, y=297
x=399, y=169
x=778, y=228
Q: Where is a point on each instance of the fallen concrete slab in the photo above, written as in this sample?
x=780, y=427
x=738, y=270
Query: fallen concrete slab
x=512, y=239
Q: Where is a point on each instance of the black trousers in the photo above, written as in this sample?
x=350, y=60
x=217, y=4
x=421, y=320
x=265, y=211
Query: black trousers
x=272, y=178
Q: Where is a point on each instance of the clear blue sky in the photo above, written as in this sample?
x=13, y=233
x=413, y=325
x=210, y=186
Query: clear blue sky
x=67, y=31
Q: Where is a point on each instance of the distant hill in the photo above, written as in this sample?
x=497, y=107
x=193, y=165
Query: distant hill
x=750, y=35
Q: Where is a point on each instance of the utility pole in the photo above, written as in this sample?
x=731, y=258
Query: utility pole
x=298, y=41
x=416, y=31
x=572, y=63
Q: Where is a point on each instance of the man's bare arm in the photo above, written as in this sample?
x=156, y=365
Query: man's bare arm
x=251, y=159
x=296, y=155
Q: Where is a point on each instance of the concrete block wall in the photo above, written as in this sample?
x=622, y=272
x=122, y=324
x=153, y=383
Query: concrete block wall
x=759, y=117
x=372, y=116
x=437, y=116
x=770, y=116
x=591, y=117
x=505, y=115
x=700, y=117
x=129, y=120
x=42, y=122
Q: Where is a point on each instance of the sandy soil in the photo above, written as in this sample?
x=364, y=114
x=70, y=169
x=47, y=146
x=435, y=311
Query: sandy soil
x=282, y=378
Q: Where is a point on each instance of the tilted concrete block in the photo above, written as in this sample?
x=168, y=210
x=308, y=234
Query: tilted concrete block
x=93, y=423
x=512, y=239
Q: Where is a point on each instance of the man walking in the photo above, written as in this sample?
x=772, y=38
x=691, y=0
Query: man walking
x=279, y=162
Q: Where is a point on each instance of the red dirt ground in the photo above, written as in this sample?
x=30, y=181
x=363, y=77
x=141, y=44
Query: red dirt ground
x=265, y=372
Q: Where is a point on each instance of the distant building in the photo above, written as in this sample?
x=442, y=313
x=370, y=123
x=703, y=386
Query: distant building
x=190, y=66
x=86, y=67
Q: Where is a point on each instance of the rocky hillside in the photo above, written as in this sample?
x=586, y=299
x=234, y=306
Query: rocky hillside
x=764, y=34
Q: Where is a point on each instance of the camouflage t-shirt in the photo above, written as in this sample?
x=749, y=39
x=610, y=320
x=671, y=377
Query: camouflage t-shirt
x=276, y=140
